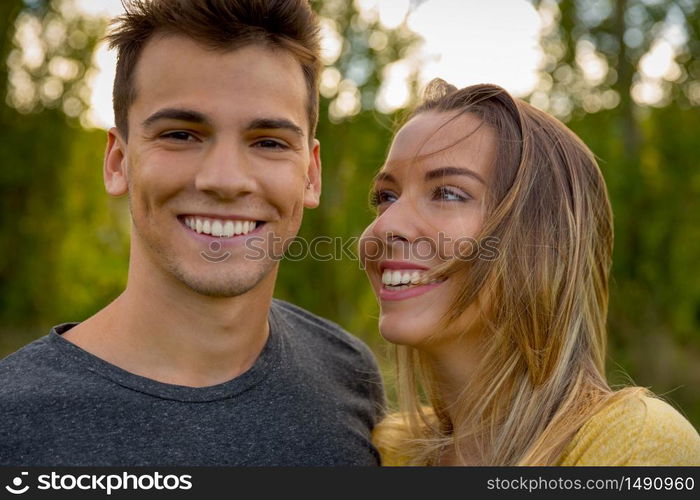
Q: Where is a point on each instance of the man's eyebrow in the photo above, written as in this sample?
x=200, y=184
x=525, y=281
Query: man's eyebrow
x=441, y=172
x=183, y=115
x=275, y=123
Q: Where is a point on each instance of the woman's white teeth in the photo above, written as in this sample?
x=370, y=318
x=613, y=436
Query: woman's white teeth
x=399, y=278
x=220, y=228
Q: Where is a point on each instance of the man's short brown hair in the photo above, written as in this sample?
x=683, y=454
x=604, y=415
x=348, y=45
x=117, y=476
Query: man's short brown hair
x=223, y=25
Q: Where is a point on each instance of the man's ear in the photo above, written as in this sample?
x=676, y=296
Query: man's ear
x=312, y=194
x=115, y=170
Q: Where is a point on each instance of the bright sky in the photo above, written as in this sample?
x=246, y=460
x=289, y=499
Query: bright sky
x=465, y=42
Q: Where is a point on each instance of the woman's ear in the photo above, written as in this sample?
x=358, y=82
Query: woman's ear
x=312, y=194
x=115, y=170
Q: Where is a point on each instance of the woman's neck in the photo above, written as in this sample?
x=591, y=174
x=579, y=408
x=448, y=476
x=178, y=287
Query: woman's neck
x=453, y=371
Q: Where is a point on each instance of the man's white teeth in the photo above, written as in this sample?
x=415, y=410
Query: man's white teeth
x=220, y=228
x=398, y=278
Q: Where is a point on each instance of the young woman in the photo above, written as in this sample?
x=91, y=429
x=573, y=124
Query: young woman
x=490, y=255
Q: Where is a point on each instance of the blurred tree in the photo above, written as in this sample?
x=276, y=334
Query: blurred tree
x=50, y=183
x=626, y=76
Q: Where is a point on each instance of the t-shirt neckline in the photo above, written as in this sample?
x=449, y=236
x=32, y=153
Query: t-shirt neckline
x=264, y=366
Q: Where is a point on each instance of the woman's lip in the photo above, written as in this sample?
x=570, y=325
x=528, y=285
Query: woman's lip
x=398, y=265
x=406, y=293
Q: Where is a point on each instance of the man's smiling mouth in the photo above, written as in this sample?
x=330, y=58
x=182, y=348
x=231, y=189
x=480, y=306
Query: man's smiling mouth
x=219, y=227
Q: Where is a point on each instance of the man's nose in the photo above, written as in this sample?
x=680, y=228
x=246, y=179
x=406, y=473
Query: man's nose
x=225, y=171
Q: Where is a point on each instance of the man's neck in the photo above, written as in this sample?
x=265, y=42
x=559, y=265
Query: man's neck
x=174, y=335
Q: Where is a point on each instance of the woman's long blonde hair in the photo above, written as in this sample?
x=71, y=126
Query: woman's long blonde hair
x=542, y=302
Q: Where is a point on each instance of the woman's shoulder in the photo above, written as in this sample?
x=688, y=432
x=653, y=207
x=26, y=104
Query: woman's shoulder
x=635, y=430
x=393, y=437
x=389, y=436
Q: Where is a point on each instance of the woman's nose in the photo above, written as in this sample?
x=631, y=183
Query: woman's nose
x=397, y=223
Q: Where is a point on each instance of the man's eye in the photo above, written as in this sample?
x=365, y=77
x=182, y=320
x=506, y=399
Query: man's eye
x=444, y=193
x=179, y=135
x=381, y=196
x=271, y=144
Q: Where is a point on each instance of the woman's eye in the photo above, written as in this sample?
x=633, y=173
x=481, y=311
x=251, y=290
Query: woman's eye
x=179, y=135
x=444, y=193
x=380, y=197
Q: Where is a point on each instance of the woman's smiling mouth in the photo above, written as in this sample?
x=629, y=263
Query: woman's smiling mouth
x=403, y=280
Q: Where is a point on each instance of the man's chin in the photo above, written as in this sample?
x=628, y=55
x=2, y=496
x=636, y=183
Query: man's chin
x=222, y=285
x=219, y=291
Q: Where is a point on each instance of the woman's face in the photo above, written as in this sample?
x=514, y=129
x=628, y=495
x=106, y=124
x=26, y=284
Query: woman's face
x=430, y=198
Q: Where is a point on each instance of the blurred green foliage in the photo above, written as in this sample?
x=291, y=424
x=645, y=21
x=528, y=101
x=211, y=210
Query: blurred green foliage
x=56, y=257
x=64, y=242
x=651, y=164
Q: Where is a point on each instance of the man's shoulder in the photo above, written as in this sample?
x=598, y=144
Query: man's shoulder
x=332, y=354
x=322, y=328
x=26, y=359
x=29, y=374
x=40, y=366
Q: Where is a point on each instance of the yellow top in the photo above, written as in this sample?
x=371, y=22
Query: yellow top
x=638, y=430
x=635, y=431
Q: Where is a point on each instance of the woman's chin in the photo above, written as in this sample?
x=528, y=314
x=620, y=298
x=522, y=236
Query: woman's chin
x=402, y=331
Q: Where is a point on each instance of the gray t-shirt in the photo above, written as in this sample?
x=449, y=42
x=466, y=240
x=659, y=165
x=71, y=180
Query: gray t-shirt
x=311, y=398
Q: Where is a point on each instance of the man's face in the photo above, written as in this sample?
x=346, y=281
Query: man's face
x=218, y=143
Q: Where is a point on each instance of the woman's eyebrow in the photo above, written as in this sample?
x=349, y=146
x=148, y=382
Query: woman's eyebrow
x=444, y=171
x=383, y=176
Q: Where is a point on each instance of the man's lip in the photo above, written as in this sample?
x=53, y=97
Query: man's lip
x=220, y=217
x=400, y=264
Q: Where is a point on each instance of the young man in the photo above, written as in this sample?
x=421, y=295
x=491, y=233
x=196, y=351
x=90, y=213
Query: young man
x=195, y=363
